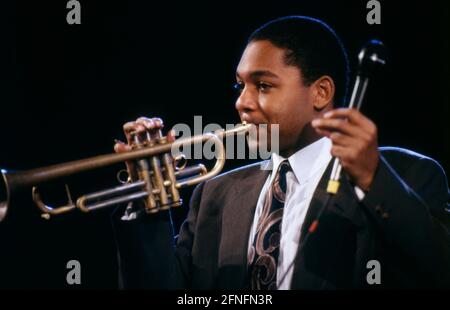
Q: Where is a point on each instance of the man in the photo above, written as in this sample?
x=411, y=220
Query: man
x=249, y=228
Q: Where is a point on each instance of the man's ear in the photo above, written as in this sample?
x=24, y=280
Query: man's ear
x=323, y=92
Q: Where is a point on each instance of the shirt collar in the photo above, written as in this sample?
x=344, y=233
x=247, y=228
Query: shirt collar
x=307, y=161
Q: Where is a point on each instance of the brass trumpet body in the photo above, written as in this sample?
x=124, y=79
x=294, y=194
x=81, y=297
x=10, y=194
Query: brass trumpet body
x=157, y=183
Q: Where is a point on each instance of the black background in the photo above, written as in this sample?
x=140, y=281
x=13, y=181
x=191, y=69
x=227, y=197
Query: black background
x=66, y=90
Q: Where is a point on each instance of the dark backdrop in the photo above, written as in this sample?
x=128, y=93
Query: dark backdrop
x=65, y=92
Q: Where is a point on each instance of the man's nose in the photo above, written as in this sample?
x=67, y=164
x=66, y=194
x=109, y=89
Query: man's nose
x=246, y=102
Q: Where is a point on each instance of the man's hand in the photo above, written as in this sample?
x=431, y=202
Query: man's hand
x=141, y=126
x=354, y=139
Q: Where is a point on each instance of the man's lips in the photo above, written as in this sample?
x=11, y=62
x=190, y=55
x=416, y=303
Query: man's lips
x=251, y=121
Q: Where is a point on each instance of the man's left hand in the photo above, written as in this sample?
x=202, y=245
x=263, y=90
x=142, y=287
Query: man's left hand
x=354, y=139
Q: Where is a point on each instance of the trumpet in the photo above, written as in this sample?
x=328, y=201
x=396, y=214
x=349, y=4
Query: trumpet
x=158, y=179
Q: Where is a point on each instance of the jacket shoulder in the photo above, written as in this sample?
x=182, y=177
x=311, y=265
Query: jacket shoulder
x=221, y=187
x=402, y=159
x=394, y=152
x=241, y=172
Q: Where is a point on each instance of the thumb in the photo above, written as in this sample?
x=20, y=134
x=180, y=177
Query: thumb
x=120, y=147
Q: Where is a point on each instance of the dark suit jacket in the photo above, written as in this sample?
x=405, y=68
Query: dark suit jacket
x=403, y=222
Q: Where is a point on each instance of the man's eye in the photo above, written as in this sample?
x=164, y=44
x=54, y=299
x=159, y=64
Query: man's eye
x=239, y=86
x=264, y=86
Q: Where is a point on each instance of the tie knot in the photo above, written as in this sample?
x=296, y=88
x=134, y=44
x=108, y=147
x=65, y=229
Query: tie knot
x=280, y=178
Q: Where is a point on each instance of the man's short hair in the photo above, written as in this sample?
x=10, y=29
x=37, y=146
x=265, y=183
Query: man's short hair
x=313, y=47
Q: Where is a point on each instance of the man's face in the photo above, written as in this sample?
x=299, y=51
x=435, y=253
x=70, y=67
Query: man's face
x=273, y=93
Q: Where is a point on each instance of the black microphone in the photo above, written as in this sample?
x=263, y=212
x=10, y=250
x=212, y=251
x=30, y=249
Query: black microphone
x=370, y=59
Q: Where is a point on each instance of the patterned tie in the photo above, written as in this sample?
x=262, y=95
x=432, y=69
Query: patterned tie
x=263, y=254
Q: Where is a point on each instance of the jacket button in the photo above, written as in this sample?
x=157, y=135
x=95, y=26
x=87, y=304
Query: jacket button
x=385, y=215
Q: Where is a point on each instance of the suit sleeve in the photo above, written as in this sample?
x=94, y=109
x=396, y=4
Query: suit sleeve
x=412, y=214
x=147, y=254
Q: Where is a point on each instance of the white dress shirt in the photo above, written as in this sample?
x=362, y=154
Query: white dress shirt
x=308, y=165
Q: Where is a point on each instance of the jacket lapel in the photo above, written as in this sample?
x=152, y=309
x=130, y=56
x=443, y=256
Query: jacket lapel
x=343, y=205
x=317, y=201
x=237, y=221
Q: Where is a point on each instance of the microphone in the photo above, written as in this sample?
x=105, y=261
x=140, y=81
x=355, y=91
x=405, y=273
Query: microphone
x=370, y=59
